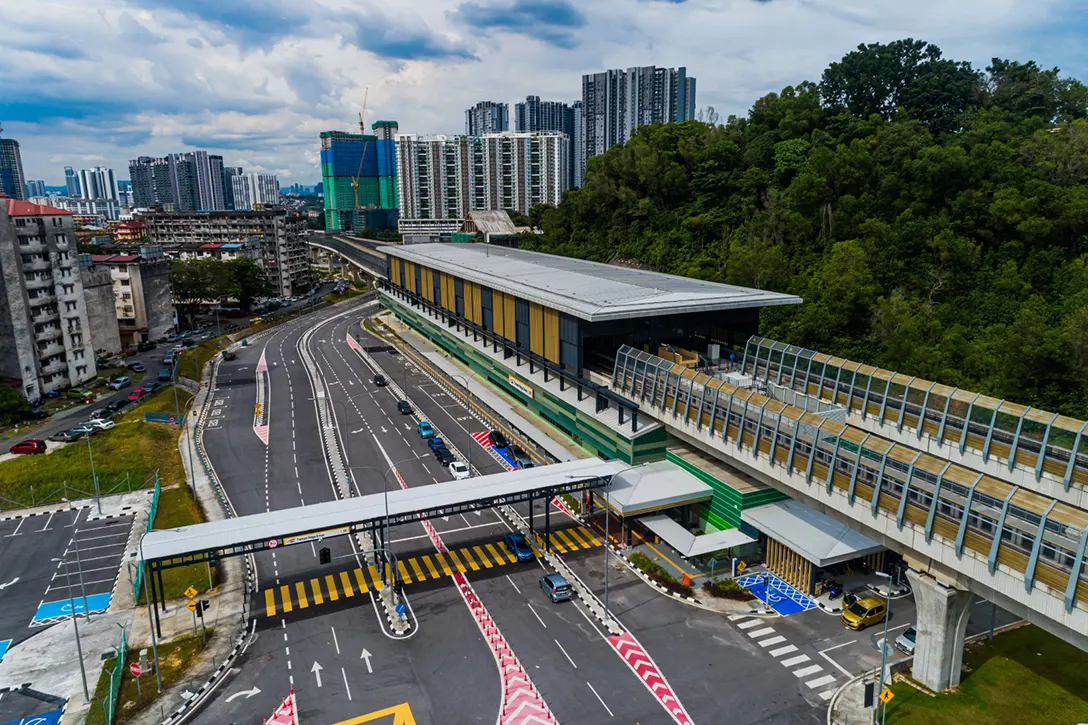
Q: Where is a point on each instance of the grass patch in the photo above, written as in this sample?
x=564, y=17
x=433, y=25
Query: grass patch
x=334, y=297
x=193, y=360
x=653, y=570
x=727, y=589
x=1024, y=676
x=175, y=658
x=134, y=449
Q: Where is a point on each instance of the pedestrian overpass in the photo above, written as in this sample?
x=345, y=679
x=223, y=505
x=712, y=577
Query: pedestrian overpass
x=213, y=540
x=963, y=529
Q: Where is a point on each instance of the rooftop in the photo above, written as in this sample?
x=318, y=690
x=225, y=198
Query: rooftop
x=27, y=208
x=652, y=487
x=591, y=291
x=815, y=536
x=493, y=222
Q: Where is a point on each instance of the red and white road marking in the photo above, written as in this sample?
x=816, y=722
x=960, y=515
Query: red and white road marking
x=262, y=433
x=260, y=412
x=353, y=343
x=262, y=364
x=642, y=664
x=522, y=703
x=481, y=438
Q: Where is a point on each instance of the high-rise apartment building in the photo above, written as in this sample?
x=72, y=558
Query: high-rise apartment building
x=71, y=180
x=35, y=188
x=255, y=191
x=443, y=177
x=359, y=178
x=183, y=182
x=578, y=145
x=487, y=117
x=616, y=102
x=43, y=314
x=536, y=115
x=97, y=183
x=229, y=172
x=12, y=180
x=141, y=173
x=142, y=294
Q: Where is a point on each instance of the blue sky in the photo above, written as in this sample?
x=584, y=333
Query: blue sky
x=86, y=82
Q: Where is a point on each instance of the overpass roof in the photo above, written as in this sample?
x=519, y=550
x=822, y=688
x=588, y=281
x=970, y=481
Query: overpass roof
x=591, y=291
x=334, y=518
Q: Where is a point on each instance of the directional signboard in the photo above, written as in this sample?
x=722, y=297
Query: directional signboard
x=191, y=592
x=191, y=606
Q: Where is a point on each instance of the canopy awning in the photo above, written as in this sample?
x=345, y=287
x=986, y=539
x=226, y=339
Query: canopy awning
x=687, y=543
x=652, y=487
x=815, y=536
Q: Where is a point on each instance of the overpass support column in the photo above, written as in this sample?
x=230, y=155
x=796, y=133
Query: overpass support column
x=330, y=260
x=941, y=623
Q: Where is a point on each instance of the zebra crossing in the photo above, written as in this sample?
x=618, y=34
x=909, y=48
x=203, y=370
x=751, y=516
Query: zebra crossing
x=799, y=664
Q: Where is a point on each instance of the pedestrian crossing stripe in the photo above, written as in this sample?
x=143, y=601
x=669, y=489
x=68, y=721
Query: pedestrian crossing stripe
x=345, y=584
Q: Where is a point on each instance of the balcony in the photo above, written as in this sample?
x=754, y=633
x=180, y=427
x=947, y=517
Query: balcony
x=36, y=265
x=39, y=282
x=54, y=367
x=53, y=348
x=46, y=334
x=31, y=247
x=47, y=298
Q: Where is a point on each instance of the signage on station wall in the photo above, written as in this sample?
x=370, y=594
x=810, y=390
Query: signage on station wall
x=519, y=386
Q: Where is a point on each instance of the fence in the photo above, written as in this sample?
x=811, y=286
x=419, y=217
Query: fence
x=170, y=418
x=110, y=703
x=138, y=580
x=67, y=491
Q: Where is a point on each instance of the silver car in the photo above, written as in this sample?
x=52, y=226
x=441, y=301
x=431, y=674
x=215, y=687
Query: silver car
x=905, y=642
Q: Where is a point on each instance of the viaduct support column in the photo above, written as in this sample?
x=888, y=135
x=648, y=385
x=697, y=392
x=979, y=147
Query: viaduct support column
x=941, y=623
x=330, y=258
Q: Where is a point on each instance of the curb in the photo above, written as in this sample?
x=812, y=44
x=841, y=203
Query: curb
x=57, y=510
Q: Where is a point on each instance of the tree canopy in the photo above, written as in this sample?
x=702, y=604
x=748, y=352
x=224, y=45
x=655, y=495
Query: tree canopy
x=934, y=218
x=206, y=280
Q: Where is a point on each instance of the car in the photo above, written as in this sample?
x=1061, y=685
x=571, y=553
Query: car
x=231, y=328
x=80, y=394
x=115, y=406
x=496, y=439
x=137, y=367
x=67, y=436
x=444, y=456
x=130, y=351
x=84, y=428
x=425, y=430
x=101, y=414
x=863, y=613
x=168, y=358
x=138, y=393
x=165, y=374
x=520, y=457
x=52, y=394
x=404, y=407
x=152, y=387
x=37, y=413
x=459, y=471
x=518, y=545
x=435, y=443
x=556, y=587
x=99, y=424
x=119, y=382
x=28, y=447
x=379, y=380
x=228, y=355
x=145, y=346
x=905, y=642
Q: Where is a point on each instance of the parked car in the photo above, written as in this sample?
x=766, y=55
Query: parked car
x=444, y=456
x=137, y=393
x=99, y=424
x=496, y=439
x=145, y=346
x=425, y=430
x=556, y=587
x=459, y=471
x=67, y=436
x=404, y=408
x=29, y=446
x=228, y=355
x=101, y=414
x=80, y=394
x=520, y=457
x=52, y=394
x=863, y=613
x=152, y=387
x=165, y=374
x=435, y=443
x=137, y=367
x=85, y=428
x=119, y=382
x=115, y=406
x=518, y=545
x=379, y=380
x=905, y=642
x=37, y=413
x=168, y=358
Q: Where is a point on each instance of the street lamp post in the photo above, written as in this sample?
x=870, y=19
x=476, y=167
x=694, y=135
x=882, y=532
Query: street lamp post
x=468, y=446
x=884, y=647
x=75, y=626
x=385, y=492
x=150, y=623
x=607, y=516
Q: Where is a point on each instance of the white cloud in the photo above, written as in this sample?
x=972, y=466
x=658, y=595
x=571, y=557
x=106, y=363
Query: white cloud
x=258, y=80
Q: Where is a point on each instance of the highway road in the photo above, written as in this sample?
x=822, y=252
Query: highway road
x=443, y=670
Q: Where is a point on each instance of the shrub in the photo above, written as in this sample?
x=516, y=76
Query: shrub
x=659, y=575
x=727, y=589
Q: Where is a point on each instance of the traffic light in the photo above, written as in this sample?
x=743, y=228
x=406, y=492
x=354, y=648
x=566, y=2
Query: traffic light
x=325, y=555
x=202, y=605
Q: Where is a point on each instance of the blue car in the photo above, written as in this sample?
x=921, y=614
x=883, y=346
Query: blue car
x=435, y=443
x=556, y=587
x=518, y=546
x=425, y=429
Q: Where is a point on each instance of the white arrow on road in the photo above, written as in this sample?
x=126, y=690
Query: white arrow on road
x=316, y=669
x=366, y=656
x=247, y=693
x=5, y=586
x=384, y=430
x=359, y=431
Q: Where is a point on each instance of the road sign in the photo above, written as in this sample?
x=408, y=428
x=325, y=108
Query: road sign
x=191, y=592
x=401, y=609
x=273, y=543
x=741, y=566
x=173, y=420
x=191, y=606
x=886, y=696
x=134, y=668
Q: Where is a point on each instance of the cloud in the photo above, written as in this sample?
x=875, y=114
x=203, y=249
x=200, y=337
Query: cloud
x=251, y=22
x=132, y=31
x=63, y=48
x=405, y=41
x=553, y=22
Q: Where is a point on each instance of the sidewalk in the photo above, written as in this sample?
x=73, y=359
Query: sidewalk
x=555, y=442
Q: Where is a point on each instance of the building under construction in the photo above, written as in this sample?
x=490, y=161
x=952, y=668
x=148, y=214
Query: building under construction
x=359, y=175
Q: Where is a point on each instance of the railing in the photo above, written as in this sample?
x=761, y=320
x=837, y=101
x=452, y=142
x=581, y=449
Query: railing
x=116, y=674
x=1005, y=524
x=151, y=512
x=47, y=334
x=1033, y=440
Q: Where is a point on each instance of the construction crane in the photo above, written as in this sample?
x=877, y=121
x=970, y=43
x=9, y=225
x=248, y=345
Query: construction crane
x=362, y=157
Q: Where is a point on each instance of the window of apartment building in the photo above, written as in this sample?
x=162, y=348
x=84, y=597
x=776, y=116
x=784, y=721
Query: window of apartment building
x=77, y=339
x=78, y=354
x=126, y=283
x=69, y=289
x=81, y=369
x=19, y=222
x=62, y=239
x=69, y=306
x=126, y=295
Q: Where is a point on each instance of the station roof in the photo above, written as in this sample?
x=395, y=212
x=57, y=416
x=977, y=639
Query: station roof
x=652, y=487
x=591, y=291
x=687, y=543
x=815, y=536
x=333, y=517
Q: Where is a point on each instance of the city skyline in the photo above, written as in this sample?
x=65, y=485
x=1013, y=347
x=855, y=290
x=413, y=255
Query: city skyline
x=287, y=82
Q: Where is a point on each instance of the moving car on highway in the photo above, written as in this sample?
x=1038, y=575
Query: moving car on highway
x=379, y=380
x=444, y=456
x=556, y=587
x=425, y=430
x=404, y=408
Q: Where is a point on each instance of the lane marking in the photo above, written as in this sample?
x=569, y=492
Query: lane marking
x=600, y=700
x=564, y=652
x=530, y=606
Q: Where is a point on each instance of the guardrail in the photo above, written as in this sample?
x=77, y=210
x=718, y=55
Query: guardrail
x=110, y=703
x=151, y=512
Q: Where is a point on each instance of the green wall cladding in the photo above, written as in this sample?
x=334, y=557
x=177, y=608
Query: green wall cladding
x=727, y=504
x=557, y=412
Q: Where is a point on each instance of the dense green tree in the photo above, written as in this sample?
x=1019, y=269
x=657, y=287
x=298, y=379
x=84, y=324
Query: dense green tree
x=935, y=220
x=197, y=281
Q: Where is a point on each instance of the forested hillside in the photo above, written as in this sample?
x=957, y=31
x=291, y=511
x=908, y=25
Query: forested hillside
x=933, y=217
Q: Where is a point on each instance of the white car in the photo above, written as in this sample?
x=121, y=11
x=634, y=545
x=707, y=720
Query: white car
x=101, y=424
x=459, y=470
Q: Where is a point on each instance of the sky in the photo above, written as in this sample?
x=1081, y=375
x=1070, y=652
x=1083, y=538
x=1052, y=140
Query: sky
x=99, y=82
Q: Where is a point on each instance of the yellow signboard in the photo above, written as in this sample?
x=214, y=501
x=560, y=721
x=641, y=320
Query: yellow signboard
x=886, y=696
x=191, y=592
x=741, y=566
x=191, y=606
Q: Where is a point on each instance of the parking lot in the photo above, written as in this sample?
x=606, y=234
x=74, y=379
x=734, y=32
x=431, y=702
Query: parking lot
x=40, y=559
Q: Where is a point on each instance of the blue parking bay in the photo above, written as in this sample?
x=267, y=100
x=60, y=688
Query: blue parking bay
x=49, y=718
x=777, y=594
x=62, y=608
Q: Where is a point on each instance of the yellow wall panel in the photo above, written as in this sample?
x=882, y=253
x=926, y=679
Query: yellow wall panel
x=447, y=294
x=536, y=329
x=394, y=266
x=551, y=335
x=410, y=273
